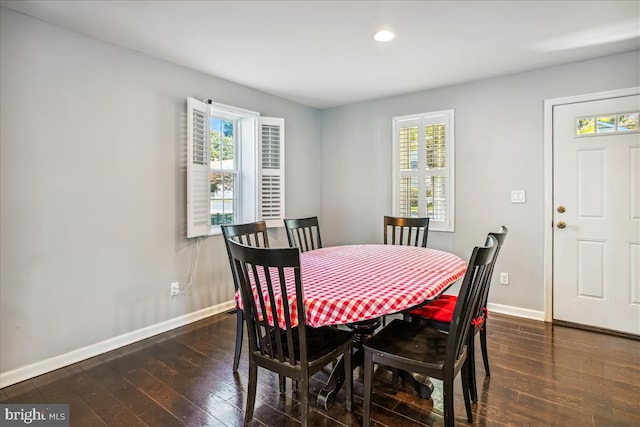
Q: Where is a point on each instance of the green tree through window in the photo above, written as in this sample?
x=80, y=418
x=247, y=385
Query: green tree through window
x=222, y=144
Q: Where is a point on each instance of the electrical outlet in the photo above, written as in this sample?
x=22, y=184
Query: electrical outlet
x=175, y=288
x=518, y=196
x=504, y=278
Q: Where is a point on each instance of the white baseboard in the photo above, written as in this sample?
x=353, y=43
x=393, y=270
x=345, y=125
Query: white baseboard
x=42, y=367
x=516, y=311
x=56, y=362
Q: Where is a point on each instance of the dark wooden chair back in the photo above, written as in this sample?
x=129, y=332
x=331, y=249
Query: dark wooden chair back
x=250, y=234
x=482, y=313
x=270, y=271
x=500, y=237
x=469, y=302
x=303, y=233
x=406, y=231
x=296, y=351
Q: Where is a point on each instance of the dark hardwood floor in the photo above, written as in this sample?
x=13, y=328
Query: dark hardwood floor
x=541, y=375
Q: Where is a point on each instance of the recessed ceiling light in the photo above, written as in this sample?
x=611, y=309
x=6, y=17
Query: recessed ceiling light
x=383, y=36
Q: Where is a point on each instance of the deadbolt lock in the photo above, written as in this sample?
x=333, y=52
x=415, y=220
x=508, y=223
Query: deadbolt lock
x=561, y=209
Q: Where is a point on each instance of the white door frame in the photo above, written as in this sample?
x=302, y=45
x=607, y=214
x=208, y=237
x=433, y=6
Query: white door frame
x=548, y=181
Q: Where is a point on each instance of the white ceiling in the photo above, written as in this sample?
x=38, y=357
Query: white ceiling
x=321, y=53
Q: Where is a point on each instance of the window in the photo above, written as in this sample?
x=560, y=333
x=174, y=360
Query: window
x=224, y=176
x=608, y=123
x=235, y=167
x=423, y=168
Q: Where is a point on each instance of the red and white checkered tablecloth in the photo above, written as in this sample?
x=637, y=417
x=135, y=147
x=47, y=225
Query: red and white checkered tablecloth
x=348, y=284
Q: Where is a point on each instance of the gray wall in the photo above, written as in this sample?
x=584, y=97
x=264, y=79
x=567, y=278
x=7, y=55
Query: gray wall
x=93, y=161
x=498, y=147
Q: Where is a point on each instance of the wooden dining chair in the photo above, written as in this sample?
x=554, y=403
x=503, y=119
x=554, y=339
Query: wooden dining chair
x=406, y=231
x=297, y=352
x=252, y=234
x=429, y=351
x=439, y=314
x=303, y=233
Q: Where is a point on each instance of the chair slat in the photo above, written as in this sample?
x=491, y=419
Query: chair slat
x=406, y=231
x=303, y=233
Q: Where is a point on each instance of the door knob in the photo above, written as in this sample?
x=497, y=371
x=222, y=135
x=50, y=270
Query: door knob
x=561, y=224
x=561, y=209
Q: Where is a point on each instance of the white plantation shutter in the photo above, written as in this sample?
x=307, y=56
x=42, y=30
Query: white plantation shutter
x=271, y=171
x=423, y=168
x=436, y=164
x=258, y=189
x=198, y=162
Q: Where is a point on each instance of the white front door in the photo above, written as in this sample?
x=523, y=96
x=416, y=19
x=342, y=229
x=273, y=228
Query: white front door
x=596, y=237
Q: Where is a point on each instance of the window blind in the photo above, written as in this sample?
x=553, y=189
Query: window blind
x=272, y=171
x=423, y=167
x=198, y=209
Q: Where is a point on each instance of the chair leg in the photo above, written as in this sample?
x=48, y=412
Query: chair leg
x=348, y=378
x=368, y=381
x=471, y=362
x=465, y=389
x=448, y=400
x=304, y=401
x=395, y=380
x=483, y=344
x=251, y=393
x=239, y=332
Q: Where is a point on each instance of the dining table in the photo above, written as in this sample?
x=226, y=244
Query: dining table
x=356, y=285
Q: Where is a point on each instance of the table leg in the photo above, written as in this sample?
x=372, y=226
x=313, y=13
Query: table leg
x=421, y=384
x=328, y=394
x=362, y=332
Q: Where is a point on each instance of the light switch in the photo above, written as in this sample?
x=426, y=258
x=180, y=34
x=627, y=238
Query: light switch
x=518, y=196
